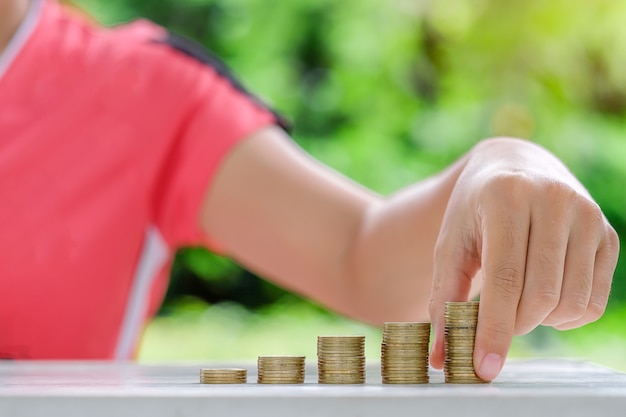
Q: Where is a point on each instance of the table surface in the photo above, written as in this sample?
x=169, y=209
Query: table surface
x=525, y=388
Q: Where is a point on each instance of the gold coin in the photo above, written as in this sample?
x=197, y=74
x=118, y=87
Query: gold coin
x=342, y=375
x=281, y=371
x=468, y=319
x=406, y=325
x=341, y=358
x=340, y=381
x=459, y=359
x=340, y=348
x=391, y=366
x=404, y=353
x=461, y=320
x=323, y=366
x=460, y=329
x=462, y=304
x=338, y=361
x=401, y=364
x=280, y=380
x=281, y=367
x=341, y=340
x=405, y=371
x=222, y=382
x=422, y=380
x=230, y=371
x=223, y=376
x=466, y=381
x=403, y=345
x=337, y=371
x=407, y=359
x=459, y=355
x=282, y=358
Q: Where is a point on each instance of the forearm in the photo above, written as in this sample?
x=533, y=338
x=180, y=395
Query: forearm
x=389, y=270
x=308, y=229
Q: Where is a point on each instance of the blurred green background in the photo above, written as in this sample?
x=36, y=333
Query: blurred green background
x=389, y=92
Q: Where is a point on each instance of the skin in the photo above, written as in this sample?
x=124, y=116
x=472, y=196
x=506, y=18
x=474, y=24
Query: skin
x=507, y=219
x=508, y=210
x=11, y=14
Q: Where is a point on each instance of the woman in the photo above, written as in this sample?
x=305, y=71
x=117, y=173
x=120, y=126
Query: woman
x=119, y=145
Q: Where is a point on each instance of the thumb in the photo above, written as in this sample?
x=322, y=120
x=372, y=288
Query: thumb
x=455, y=264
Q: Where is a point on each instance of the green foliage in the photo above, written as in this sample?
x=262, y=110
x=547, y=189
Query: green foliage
x=228, y=331
x=390, y=92
x=231, y=332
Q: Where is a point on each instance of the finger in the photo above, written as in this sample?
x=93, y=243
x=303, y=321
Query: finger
x=577, y=280
x=604, y=266
x=503, y=263
x=547, y=248
x=455, y=263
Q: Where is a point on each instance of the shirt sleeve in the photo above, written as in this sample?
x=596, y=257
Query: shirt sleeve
x=218, y=114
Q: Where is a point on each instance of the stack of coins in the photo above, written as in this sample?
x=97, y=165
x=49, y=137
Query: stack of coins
x=281, y=370
x=404, y=353
x=223, y=376
x=460, y=331
x=341, y=359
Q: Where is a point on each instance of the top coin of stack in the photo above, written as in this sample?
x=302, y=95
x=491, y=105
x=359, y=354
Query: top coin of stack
x=281, y=370
x=461, y=320
x=404, y=353
x=341, y=359
x=223, y=376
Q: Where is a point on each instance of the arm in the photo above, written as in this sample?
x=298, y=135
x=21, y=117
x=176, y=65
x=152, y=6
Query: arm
x=307, y=228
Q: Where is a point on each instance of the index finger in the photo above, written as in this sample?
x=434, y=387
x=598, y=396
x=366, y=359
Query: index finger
x=503, y=259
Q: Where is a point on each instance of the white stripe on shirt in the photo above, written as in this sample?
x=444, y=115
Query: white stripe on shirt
x=153, y=257
x=21, y=36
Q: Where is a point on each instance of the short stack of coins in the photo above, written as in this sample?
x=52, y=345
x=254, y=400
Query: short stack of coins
x=461, y=319
x=280, y=370
x=341, y=359
x=223, y=376
x=404, y=353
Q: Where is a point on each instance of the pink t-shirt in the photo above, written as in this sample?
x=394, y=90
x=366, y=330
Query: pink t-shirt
x=109, y=139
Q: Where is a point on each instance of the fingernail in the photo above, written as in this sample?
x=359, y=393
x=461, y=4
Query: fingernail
x=490, y=366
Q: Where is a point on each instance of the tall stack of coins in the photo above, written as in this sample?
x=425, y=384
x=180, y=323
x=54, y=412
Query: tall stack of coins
x=281, y=370
x=460, y=331
x=404, y=353
x=223, y=376
x=341, y=359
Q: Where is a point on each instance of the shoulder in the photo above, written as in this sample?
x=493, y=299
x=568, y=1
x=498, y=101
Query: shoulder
x=139, y=54
x=136, y=65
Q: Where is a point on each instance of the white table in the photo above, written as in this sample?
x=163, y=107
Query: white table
x=525, y=388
